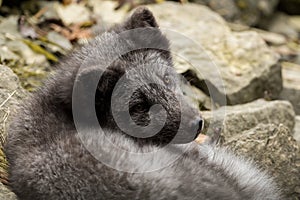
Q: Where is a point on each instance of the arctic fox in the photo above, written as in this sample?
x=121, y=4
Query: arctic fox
x=50, y=158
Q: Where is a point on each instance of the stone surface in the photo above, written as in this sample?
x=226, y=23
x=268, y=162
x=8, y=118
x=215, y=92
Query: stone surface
x=271, y=38
x=243, y=11
x=295, y=22
x=10, y=94
x=69, y=14
x=197, y=97
x=106, y=13
x=273, y=148
x=297, y=129
x=231, y=67
x=280, y=23
x=291, y=84
x=262, y=131
x=235, y=66
x=233, y=120
x=6, y=194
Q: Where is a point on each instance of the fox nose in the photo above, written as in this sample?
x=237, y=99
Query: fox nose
x=197, y=124
x=190, y=132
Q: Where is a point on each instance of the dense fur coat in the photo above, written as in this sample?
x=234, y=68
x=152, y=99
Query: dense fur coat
x=47, y=159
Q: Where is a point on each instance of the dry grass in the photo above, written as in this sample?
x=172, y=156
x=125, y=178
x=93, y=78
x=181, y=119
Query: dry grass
x=3, y=161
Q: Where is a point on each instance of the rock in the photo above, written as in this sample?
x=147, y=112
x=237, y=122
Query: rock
x=261, y=130
x=226, y=8
x=73, y=13
x=233, y=120
x=10, y=94
x=297, y=130
x=105, y=12
x=247, y=12
x=280, y=23
x=60, y=40
x=197, y=97
x=6, y=194
x=271, y=38
x=295, y=22
x=50, y=13
x=6, y=55
x=291, y=84
x=230, y=67
x=236, y=67
x=9, y=26
x=23, y=51
x=273, y=148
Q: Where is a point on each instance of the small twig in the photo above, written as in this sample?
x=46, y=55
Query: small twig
x=40, y=12
x=8, y=98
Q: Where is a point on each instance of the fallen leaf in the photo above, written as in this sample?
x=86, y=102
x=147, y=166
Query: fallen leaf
x=38, y=49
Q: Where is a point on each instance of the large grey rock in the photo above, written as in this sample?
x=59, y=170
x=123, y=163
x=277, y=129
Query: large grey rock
x=248, y=12
x=198, y=98
x=261, y=130
x=273, y=148
x=6, y=194
x=280, y=23
x=233, y=120
x=10, y=95
x=234, y=66
x=297, y=129
x=69, y=13
x=105, y=12
x=291, y=84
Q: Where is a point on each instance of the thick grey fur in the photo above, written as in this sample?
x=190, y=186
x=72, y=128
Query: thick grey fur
x=48, y=161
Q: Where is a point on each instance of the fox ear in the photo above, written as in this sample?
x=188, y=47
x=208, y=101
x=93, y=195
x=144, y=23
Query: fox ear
x=142, y=17
x=93, y=87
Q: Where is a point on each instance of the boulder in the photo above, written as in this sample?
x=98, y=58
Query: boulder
x=6, y=194
x=105, y=12
x=248, y=12
x=280, y=23
x=274, y=149
x=262, y=131
x=291, y=84
x=233, y=120
x=297, y=129
x=69, y=13
x=198, y=98
x=11, y=93
x=232, y=67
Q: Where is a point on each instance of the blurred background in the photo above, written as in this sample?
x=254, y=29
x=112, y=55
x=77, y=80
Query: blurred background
x=254, y=45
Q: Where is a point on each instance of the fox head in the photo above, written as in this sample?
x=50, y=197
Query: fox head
x=137, y=89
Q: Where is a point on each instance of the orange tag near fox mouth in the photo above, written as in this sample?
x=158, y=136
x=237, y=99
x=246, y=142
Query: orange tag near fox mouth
x=201, y=138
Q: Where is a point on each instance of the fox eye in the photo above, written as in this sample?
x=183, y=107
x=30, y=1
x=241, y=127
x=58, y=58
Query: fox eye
x=139, y=106
x=167, y=79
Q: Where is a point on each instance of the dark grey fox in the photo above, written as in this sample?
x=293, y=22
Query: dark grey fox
x=57, y=150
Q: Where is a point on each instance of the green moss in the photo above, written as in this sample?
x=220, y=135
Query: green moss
x=38, y=49
x=30, y=77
